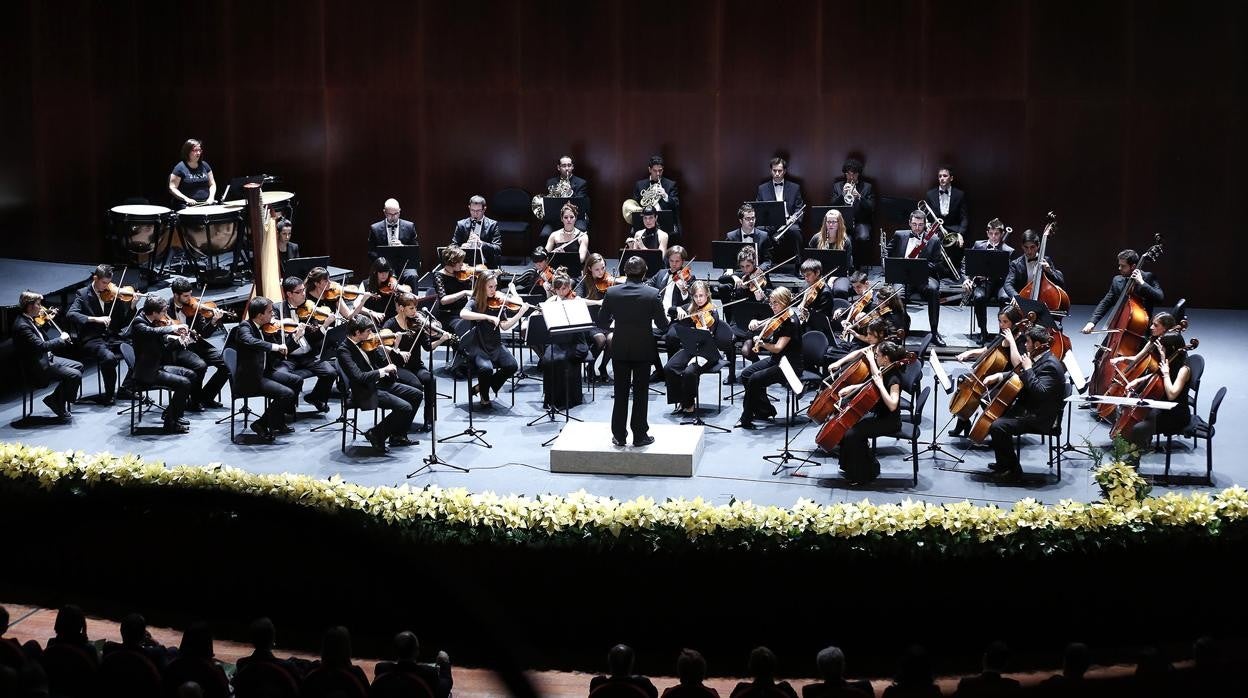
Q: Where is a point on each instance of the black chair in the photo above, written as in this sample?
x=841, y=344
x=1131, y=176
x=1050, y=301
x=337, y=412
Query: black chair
x=511, y=208
x=139, y=398
x=911, y=430
x=1052, y=438
x=349, y=414
x=11, y=654
x=71, y=670
x=205, y=672
x=261, y=679
x=128, y=674
x=911, y=381
x=323, y=682
x=1200, y=428
x=230, y=356
x=398, y=684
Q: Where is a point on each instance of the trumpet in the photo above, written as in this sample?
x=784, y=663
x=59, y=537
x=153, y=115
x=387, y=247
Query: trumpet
x=849, y=193
x=561, y=189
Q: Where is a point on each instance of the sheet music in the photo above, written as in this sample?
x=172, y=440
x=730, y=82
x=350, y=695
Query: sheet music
x=939, y=371
x=561, y=313
x=795, y=383
x=1075, y=372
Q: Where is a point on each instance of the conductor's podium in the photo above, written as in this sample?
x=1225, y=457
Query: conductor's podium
x=585, y=447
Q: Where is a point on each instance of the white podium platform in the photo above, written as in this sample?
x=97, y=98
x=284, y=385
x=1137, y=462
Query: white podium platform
x=585, y=447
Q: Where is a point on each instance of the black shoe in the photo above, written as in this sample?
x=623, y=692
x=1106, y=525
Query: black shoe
x=176, y=428
x=421, y=428
x=58, y=408
x=996, y=468
x=194, y=407
x=1008, y=476
x=321, y=406
x=984, y=338
x=284, y=430
x=262, y=430
x=745, y=424
x=618, y=443
x=377, y=440
x=645, y=441
x=211, y=404
x=656, y=376
x=402, y=441
x=938, y=340
x=730, y=380
x=124, y=393
x=105, y=400
x=959, y=430
x=184, y=421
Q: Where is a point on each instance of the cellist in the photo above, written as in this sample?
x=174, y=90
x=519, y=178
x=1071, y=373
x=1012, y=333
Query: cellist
x=1147, y=288
x=857, y=463
x=1007, y=319
x=1037, y=406
x=1175, y=375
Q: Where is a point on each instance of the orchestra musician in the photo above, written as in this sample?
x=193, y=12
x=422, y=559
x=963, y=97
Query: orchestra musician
x=453, y=284
x=417, y=332
x=1008, y=320
x=593, y=287
x=738, y=286
x=565, y=349
x=1146, y=288
x=36, y=358
x=572, y=236
x=1176, y=376
x=478, y=235
x=778, y=188
x=537, y=277
x=580, y=190
x=373, y=383
x=191, y=181
x=748, y=232
x=98, y=326
x=833, y=235
x=155, y=337
x=948, y=202
x=781, y=337
x=672, y=284
x=668, y=194
x=634, y=307
x=856, y=461
x=286, y=249
x=981, y=289
x=683, y=368
x=391, y=231
x=903, y=242
x=817, y=296
x=382, y=285
x=1037, y=406
x=204, y=354
x=259, y=368
x=493, y=364
x=650, y=237
x=1023, y=267
x=853, y=191
x=304, y=345
x=321, y=289
x=878, y=330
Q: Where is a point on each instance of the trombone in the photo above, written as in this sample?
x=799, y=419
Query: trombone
x=946, y=238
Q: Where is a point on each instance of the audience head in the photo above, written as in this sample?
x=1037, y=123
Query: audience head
x=831, y=663
x=996, y=655
x=620, y=658
x=406, y=646
x=261, y=634
x=915, y=668
x=190, y=689
x=71, y=624
x=763, y=663
x=690, y=667
x=133, y=630
x=336, y=647
x=196, y=641
x=1076, y=660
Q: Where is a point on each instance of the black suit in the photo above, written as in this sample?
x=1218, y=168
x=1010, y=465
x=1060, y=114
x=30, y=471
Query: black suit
x=1149, y=292
x=153, y=350
x=303, y=359
x=259, y=371
x=762, y=240
x=790, y=242
x=370, y=390
x=956, y=220
x=292, y=251
x=929, y=291
x=580, y=190
x=985, y=290
x=672, y=204
x=863, y=212
x=1034, y=411
x=99, y=344
x=633, y=306
x=1017, y=277
x=39, y=366
x=491, y=240
x=379, y=236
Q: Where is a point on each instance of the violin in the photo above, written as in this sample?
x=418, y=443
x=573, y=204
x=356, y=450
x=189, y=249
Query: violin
x=205, y=309
x=287, y=325
x=308, y=311
x=468, y=272
x=373, y=341
x=45, y=316
x=703, y=319
x=126, y=294
x=773, y=325
x=391, y=286
x=496, y=302
x=811, y=294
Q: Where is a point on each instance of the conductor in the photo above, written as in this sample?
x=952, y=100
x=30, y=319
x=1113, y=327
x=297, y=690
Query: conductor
x=633, y=306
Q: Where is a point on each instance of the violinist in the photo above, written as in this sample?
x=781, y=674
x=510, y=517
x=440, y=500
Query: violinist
x=904, y=242
x=749, y=232
x=876, y=332
x=479, y=235
x=383, y=285
x=863, y=299
x=650, y=237
x=200, y=354
x=156, y=337
x=492, y=363
x=374, y=384
x=417, y=331
x=1168, y=347
x=572, y=236
x=1008, y=320
x=1146, y=288
x=673, y=285
x=833, y=235
x=748, y=282
x=780, y=336
x=856, y=461
x=453, y=284
x=1038, y=404
x=305, y=344
x=97, y=316
x=537, y=277
x=37, y=362
x=819, y=292
x=982, y=289
x=593, y=287
x=260, y=352
x=561, y=353
x=683, y=368
x=324, y=292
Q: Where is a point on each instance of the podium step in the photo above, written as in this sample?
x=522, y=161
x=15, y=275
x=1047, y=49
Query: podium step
x=585, y=447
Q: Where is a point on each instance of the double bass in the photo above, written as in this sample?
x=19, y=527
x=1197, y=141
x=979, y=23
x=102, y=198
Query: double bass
x=1153, y=389
x=852, y=409
x=1126, y=328
x=1042, y=289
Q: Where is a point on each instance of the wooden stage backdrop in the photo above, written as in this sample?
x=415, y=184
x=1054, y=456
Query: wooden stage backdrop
x=1125, y=117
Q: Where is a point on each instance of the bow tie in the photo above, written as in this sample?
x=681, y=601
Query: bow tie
x=777, y=184
x=392, y=226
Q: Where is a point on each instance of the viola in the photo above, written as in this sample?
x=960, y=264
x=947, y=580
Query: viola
x=1128, y=328
x=1041, y=287
x=205, y=309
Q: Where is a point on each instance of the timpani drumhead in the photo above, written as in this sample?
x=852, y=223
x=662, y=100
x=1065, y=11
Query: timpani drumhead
x=210, y=230
x=139, y=227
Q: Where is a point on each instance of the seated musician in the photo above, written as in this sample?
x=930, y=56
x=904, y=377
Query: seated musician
x=1147, y=289
x=206, y=354
x=785, y=243
x=683, y=369
x=562, y=352
x=418, y=332
x=98, y=325
x=877, y=331
x=650, y=237
x=453, y=284
x=592, y=287
x=748, y=232
x=155, y=336
x=818, y=294
x=383, y=285
x=305, y=346
x=572, y=237
x=1008, y=320
x=537, y=278
x=259, y=368
x=373, y=383
x=833, y=235
x=478, y=235
x=392, y=231
x=568, y=184
x=862, y=299
x=856, y=461
x=785, y=340
x=286, y=249
x=1176, y=377
x=36, y=360
x=673, y=285
x=322, y=291
x=982, y=289
x=490, y=361
x=748, y=282
x=1038, y=404
x=904, y=242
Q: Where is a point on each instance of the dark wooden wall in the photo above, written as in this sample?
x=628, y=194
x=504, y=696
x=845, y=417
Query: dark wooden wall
x=1125, y=117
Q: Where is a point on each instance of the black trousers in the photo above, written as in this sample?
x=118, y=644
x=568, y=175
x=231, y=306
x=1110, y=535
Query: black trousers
x=929, y=292
x=282, y=389
x=324, y=371
x=855, y=450
x=181, y=381
x=211, y=356
x=187, y=359
x=756, y=377
x=1002, y=433
x=105, y=353
x=421, y=379
x=494, y=368
x=682, y=374
x=981, y=293
x=631, y=377
x=401, y=401
x=68, y=374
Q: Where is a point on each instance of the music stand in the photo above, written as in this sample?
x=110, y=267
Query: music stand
x=701, y=345
x=552, y=205
x=433, y=459
x=724, y=252
x=1074, y=373
x=941, y=379
x=990, y=264
x=561, y=318
x=406, y=257
x=912, y=273
x=473, y=434
x=769, y=214
x=831, y=260
x=793, y=388
x=652, y=258
x=300, y=266
x=666, y=220
x=571, y=260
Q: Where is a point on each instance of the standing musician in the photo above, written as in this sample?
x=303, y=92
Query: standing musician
x=191, y=181
x=259, y=368
x=673, y=286
x=572, y=236
x=634, y=307
x=1176, y=376
x=668, y=196
x=1008, y=320
x=478, y=235
x=453, y=284
x=781, y=337
x=382, y=285
x=683, y=369
x=856, y=461
x=324, y=292
x=593, y=288
x=38, y=365
x=373, y=383
x=492, y=363
x=981, y=289
x=748, y=232
x=650, y=237
x=205, y=354
x=286, y=249
x=155, y=338
x=948, y=202
x=903, y=243
x=392, y=230
x=780, y=189
x=578, y=187
x=417, y=332
x=98, y=326
x=833, y=235
x=1037, y=406
x=563, y=350
x=1146, y=288
x=851, y=190
x=304, y=345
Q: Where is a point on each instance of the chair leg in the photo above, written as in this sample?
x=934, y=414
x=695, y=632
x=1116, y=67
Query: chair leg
x=1169, y=442
x=914, y=457
x=1209, y=458
x=233, y=401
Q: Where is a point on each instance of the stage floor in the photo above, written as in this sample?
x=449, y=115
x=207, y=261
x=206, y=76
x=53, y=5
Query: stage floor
x=731, y=466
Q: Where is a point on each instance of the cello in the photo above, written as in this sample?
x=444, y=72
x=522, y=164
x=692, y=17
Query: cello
x=1126, y=328
x=999, y=401
x=971, y=388
x=855, y=407
x=1139, y=367
x=1154, y=389
x=1042, y=289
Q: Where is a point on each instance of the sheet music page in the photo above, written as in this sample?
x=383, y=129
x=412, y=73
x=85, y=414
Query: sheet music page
x=795, y=383
x=939, y=371
x=1075, y=372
